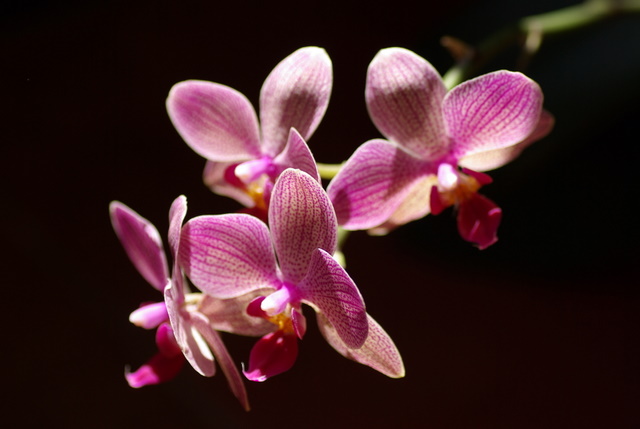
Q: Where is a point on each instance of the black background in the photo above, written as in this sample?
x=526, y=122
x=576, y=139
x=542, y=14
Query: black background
x=540, y=330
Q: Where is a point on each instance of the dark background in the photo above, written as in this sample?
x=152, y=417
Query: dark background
x=538, y=331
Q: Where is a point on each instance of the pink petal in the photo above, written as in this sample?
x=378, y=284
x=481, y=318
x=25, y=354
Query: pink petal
x=378, y=352
x=149, y=316
x=294, y=95
x=236, y=383
x=478, y=220
x=301, y=219
x=177, y=212
x=404, y=95
x=373, y=184
x=218, y=176
x=230, y=315
x=216, y=121
x=273, y=354
x=296, y=154
x=492, y=111
x=330, y=290
x=164, y=366
x=190, y=341
x=142, y=243
x=492, y=159
x=416, y=205
x=227, y=255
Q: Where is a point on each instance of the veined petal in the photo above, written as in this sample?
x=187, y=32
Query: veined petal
x=227, y=255
x=329, y=288
x=236, y=383
x=492, y=111
x=378, y=352
x=373, y=184
x=301, y=219
x=478, y=220
x=294, y=95
x=230, y=315
x=296, y=154
x=177, y=212
x=273, y=354
x=216, y=177
x=216, y=121
x=141, y=242
x=193, y=347
x=492, y=159
x=404, y=97
x=415, y=205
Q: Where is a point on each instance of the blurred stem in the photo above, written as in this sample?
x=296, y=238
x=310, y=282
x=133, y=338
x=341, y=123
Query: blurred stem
x=328, y=171
x=530, y=31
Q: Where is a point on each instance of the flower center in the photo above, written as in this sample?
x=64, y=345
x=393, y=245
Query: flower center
x=455, y=186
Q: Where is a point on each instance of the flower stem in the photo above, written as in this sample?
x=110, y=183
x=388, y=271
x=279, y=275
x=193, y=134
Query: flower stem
x=328, y=171
x=531, y=29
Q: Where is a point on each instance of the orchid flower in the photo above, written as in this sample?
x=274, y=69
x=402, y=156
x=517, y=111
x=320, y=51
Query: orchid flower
x=437, y=145
x=232, y=255
x=184, y=328
x=244, y=156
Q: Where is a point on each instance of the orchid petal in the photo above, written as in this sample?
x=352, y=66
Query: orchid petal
x=329, y=288
x=301, y=219
x=149, y=316
x=492, y=159
x=230, y=315
x=373, y=183
x=273, y=354
x=416, y=204
x=378, y=352
x=163, y=366
x=141, y=242
x=188, y=338
x=478, y=220
x=296, y=154
x=177, y=212
x=202, y=324
x=492, y=111
x=295, y=94
x=227, y=255
x=404, y=95
x=216, y=177
x=216, y=121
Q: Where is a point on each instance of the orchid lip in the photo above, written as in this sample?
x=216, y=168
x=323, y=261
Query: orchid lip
x=149, y=316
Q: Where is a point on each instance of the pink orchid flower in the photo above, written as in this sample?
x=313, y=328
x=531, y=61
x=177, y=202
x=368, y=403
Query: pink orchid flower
x=183, y=320
x=245, y=156
x=290, y=261
x=437, y=144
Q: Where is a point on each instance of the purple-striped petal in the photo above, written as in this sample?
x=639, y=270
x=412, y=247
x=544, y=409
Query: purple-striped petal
x=216, y=121
x=378, y=352
x=177, y=212
x=296, y=154
x=373, y=183
x=228, y=255
x=416, y=205
x=141, y=242
x=492, y=159
x=329, y=289
x=294, y=95
x=230, y=315
x=492, y=111
x=404, y=97
x=219, y=177
x=301, y=219
x=236, y=383
x=193, y=347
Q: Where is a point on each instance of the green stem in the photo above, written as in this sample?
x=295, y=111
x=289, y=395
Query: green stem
x=328, y=171
x=532, y=28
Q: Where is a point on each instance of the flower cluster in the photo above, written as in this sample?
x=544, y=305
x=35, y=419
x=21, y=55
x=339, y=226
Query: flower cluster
x=249, y=273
